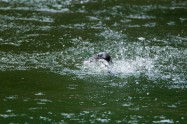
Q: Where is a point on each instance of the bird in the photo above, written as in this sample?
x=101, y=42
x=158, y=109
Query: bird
x=103, y=56
x=101, y=60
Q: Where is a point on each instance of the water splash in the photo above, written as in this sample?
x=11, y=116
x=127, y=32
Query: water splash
x=121, y=68
x=130, y=59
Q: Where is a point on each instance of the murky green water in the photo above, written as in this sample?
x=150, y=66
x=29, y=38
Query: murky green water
x=43, y=45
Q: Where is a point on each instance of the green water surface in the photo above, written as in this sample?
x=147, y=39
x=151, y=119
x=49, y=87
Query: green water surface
x=43, y=44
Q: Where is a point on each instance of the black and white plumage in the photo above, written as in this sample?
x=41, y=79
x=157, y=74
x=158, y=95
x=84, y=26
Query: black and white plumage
x=103, y=56
x=101, y=61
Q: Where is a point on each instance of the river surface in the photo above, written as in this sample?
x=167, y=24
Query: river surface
x=43, y=44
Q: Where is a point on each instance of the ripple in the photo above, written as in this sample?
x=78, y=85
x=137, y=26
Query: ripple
x=130, y=59
x=140, y=17
x=8, y=115
x=164, y=121
x=39, y=94
x=42, y=101
x=12, y=97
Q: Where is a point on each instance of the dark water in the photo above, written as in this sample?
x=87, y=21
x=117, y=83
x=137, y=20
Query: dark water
x=43, y=45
